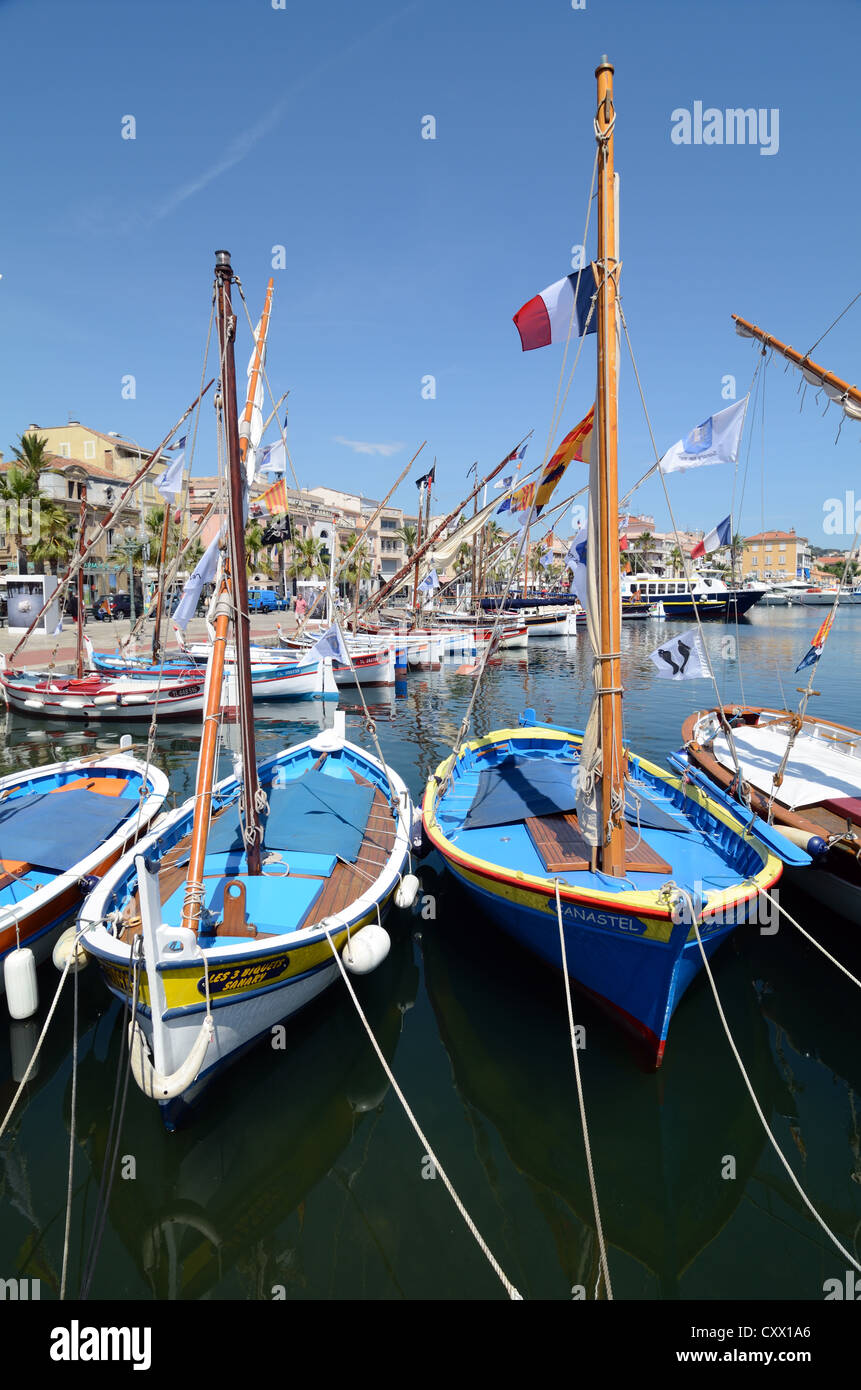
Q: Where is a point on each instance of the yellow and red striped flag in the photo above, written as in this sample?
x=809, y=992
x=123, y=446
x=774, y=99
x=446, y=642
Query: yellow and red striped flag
x=272, y=501
x=576, y=445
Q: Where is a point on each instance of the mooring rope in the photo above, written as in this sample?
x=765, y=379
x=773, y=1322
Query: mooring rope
x=735, y=1052
x=470, y=1224
x=812, y=939
x=605, y=1270
x=72, y=1116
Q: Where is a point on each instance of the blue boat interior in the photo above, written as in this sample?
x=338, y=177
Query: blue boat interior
x=49, y=823
x=499, y=797
x=327, y=835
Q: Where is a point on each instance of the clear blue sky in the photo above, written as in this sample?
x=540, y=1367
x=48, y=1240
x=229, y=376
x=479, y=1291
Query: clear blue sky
x=408, y=257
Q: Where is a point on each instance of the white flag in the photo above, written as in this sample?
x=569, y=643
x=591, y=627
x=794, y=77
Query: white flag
x=273, y=459
x=429, y=583
x=204, y=573
x=170, y=482
x=714, y=441
x=331, y=644
x=682, y=659
x=575, y=560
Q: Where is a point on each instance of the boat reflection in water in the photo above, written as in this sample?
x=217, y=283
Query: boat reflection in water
x=218, y=1210
x=659, y=1140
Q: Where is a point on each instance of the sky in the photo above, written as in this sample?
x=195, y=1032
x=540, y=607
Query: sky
x=269, y=123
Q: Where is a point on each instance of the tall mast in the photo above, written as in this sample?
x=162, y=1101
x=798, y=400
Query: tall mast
x=238, y=573
x=162, y=556
x=418, y=543
x=611, y=856
x=82, y=546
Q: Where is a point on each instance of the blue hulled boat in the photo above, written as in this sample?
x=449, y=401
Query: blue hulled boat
x=641, y=860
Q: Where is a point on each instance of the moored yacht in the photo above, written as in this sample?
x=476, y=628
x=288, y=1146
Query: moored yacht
x=707, y=594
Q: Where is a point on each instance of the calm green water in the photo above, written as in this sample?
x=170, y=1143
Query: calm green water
x=301, y=1172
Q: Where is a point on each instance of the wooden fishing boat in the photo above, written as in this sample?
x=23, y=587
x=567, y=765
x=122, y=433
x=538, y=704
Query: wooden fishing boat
x=61, y=828
x=97, y=697
x=227, y=917
x=637, y=857
x=814, y=799
x=335, y=846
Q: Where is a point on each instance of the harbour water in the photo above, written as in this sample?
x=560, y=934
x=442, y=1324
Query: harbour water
x=300, y=1176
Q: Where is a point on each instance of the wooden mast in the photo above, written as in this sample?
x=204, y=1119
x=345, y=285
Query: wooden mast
x=418, y=543
x=159, y=603
x=799, y=359
x=82, y=545
x=215, y=673
x=611, y=856
x=238, y=573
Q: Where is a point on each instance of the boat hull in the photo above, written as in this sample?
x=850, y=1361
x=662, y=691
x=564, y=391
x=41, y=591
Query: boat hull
x=36, y=921
x=255, y=981
x=635, y=951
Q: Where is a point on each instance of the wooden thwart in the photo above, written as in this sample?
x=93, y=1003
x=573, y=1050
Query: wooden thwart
x=561, y=846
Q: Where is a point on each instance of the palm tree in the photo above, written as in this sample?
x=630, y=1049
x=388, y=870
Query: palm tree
x=20, y=488
x=253, y=546
x=56, y=543
x=31, y=456
x=359, y=567
x=409, y=536
x=644, y=544
x=308, y=558
x=677, y=560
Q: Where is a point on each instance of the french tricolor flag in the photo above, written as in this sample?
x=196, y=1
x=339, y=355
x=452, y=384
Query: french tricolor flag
x=721, y=535
x=548, y=317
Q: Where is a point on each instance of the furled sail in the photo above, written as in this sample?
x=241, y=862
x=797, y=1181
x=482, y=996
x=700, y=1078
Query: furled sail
x=443, y=554
x=590, y=817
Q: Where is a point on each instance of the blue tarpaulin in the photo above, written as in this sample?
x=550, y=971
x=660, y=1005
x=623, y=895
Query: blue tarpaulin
x=56, y=830
x=316, y=814
x=518, y=788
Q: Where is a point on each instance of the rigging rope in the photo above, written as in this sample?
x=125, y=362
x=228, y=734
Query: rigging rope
x=470, y=1224
x=605, y=1269
x=735, y=1052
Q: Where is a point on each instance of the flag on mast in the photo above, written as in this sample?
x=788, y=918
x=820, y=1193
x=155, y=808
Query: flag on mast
x=682, y=659
x=716, y=440
x=576, y=445
x=721, y=535
x=170, y=482
x=331, y=645
x=551, y=314
x=271, y=502
x=818, y=643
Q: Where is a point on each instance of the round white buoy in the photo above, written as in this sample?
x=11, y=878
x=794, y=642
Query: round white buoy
x=19, y=975
x=366, y=949
x=64, y=948
x=407, y=891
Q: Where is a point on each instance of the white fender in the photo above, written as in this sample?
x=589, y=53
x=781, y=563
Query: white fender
x=407, y=891
x=152, y=1082
x=67, y=949
x=366, y=949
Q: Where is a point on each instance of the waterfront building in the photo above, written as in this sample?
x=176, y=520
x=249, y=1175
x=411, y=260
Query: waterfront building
x=775, y=556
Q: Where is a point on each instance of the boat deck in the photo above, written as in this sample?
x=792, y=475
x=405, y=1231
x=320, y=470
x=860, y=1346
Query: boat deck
x=686, y=848
x=295, y=888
